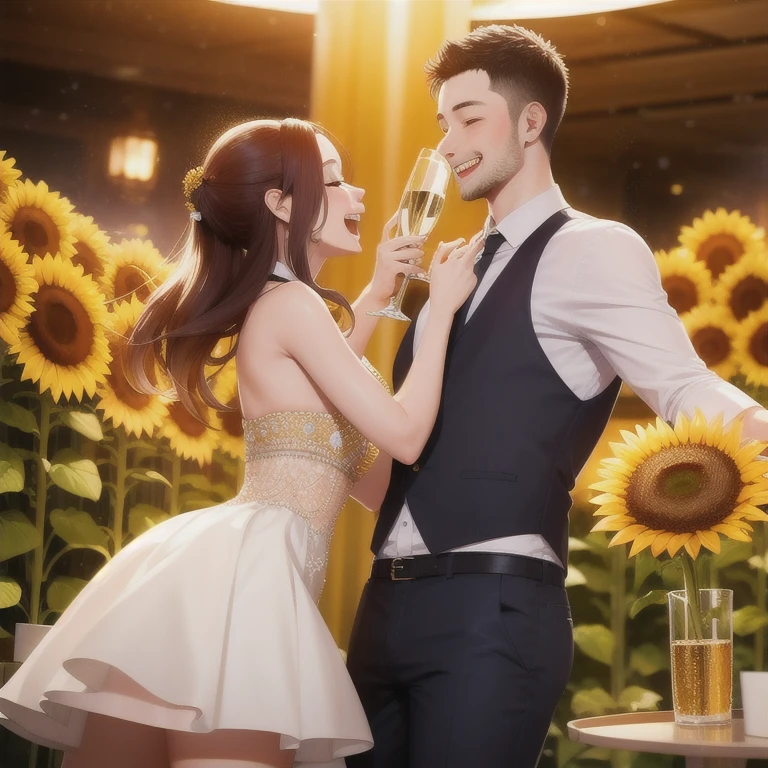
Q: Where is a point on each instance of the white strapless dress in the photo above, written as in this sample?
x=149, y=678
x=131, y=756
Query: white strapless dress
x=209, y=620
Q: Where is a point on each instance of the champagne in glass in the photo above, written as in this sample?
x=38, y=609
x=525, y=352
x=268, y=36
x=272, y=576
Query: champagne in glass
x=417, y=214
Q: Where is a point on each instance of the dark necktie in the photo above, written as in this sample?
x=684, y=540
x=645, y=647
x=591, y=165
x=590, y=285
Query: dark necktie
x=492, y=244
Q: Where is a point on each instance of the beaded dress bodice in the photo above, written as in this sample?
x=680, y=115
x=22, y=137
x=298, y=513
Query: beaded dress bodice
x=306, y=462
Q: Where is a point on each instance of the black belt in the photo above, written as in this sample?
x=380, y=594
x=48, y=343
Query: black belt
x=450, y=563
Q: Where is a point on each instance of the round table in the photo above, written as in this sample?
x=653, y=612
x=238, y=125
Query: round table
x=724, y=746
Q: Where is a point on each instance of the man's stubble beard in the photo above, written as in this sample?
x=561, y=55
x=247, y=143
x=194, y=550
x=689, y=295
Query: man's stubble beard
x=508, y=165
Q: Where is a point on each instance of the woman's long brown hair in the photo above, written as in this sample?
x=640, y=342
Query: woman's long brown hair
x=229, y=255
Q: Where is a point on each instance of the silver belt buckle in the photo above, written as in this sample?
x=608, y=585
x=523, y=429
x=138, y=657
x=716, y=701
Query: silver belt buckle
x=393, y=566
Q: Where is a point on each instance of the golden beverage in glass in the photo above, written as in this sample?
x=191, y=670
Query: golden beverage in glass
x=701, y=677
x=417, y=214
x=702, y=656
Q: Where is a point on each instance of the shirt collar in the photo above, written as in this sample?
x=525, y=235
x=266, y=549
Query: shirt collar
x=282, y=270
x=526, y=219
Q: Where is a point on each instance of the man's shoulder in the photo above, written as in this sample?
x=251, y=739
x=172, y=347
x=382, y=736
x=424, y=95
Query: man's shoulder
x=584, y=229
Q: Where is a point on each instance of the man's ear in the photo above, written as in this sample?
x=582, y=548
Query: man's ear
x=279, y=204
x=533, y=118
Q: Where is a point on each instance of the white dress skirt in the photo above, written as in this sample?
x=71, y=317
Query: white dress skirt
x=209, y=620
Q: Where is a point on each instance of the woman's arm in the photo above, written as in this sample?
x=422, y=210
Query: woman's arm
x=398, y=425
x=394, y=256
x=371, y=489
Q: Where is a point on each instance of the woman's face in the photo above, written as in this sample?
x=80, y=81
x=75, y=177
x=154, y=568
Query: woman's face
x=339, y=234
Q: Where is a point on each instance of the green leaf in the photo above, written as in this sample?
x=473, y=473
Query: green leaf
x=15, y=416
x=621, y=759
x=577, y=545
x=142, y=517
x=637, y=699
x=63, y=591
x=592, y=701
x=749, y=619
x=78, y=528
x=4, y=635
x=654, y=597
x=46, y=464
x=648, y=659
x=554, y=731
x=75, y=474
x=200, y=482
x=149, y=476
x=598, y=579
x=87, y=424
x=11, y=470
x=567, y=751
x=17, y=535
x=10, y=592
x=732, y=552
x=645, y=565
x=596, y=641
x=575, y=577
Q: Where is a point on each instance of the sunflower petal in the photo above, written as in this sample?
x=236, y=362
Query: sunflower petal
x=677, y=542
x=629, y=533
x=693, y=547
x=750, y=512
x=609, y=486
x=613, y=523
x=605, y=498
x=753, y=471
x=682, y=428
x=698, y=429
x=731, y=532
x=660, y=543
x=644, y=540
x=709, y=539
x=749, y=453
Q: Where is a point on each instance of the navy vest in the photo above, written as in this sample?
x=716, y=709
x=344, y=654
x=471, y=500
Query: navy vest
x=510, y=436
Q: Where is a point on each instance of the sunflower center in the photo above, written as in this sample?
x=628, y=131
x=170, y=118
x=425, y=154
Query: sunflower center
x=86, y=258
x=232, y=421
x=7, y=288
x=682, y=293
x=720, y=251
x=185, y=421
x=130, y=279
x=684, y=488
x=712, y=345
x=36, y=231
x=61, y=327
x=758, y=345
x=748, y=295
x=119, y=383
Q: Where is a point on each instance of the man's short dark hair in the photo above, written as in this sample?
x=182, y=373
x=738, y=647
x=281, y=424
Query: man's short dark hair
x=519, y=63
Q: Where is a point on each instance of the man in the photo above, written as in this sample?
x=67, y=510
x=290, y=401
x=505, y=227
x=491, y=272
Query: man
x=463, y=644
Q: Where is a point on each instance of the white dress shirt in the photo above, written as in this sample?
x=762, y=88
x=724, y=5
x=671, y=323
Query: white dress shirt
x=598, y=310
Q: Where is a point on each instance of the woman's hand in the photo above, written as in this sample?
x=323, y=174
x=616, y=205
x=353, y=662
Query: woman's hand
x=453, y=274
x=394, y=256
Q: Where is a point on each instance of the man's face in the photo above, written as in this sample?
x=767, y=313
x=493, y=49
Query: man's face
x=481, y=142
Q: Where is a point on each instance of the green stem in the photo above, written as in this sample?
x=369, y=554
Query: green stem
x=692, y=593
x=122, y=471
x=761, y=549
x=175, y=484
x=618, y=621
x=40, y=501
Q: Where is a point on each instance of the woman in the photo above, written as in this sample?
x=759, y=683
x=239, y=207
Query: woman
x=160, y=661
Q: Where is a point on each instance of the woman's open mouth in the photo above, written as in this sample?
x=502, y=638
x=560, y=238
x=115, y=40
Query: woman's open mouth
x=351, y=222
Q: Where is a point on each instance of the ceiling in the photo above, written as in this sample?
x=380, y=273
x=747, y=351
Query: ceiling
x=637, y=74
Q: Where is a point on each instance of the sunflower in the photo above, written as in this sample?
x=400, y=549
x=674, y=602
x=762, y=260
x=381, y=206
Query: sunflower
x=189, y=438
x=751, y=345
x=720, y=239
x=712, y=331
x=17, y=286
x=743, y=287
x=135, y=411
x=38, y=220
x=63, y=344
x=134, y=268
x=668, y=488
x=687, y=282
x=230, y=438
x=8, y=174
x=91, y=246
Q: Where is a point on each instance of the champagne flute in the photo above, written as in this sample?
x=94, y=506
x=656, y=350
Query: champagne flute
x=417, y=214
